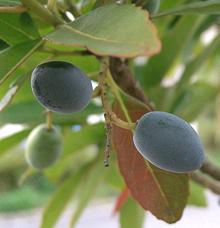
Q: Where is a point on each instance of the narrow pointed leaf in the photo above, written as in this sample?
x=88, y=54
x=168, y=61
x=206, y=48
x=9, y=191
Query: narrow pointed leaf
x=20, y=113
x=10, y=2
x=131, y=210
x=122, y=198
x=202, y=7
x=12, y=57
x=197, y=195
x=17, y=28
x=157, y=67
x=12, y=140
x=115, y=30
x=198, y=95
x=8, y=97
x=195, y=64
x=61, y=198
x=88, y=189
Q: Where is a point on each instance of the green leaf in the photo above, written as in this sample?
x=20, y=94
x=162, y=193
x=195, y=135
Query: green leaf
x=99, y=3
x=202, y=7
x=17, y=28
x=11, y=141
x=61, y=198
x=116, y=30
x=73, y=146
x=114, y=178
x=197, y=195
x=88, y=188
x=3, y=45
x=194, y=99
x=10, y=3
x=31, y=112
x=12, y=57
x=195, y=64
x=88, y=64
x=156, y=68
x=6, y=100
x=131, y=215
x=90, y=134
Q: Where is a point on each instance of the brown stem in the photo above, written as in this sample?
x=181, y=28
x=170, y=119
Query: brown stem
x=211, y=169
x=206, y=182
x=123, y=77
x=49, y=119
x=12, y=9
x=106, y=106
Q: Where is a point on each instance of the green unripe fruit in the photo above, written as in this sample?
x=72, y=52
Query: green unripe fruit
x=152, y=6
x=44, y=146
x=168, y=142
x=61, y=87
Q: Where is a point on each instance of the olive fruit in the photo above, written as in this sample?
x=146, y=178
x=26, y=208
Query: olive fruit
x=44, y=146
x=61, y=87
x=152, y=6
x=168, y=142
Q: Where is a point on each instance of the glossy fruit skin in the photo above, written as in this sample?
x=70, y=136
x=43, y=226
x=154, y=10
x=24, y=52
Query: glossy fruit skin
x=152, y=6
x=43, y=147
x=61, y=87
x=168, y=142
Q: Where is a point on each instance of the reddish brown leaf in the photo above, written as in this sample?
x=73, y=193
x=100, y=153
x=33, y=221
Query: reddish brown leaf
x=164, y=194
x=121, y=200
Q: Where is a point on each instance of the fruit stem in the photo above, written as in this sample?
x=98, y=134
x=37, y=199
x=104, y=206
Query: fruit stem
x=106, y=80
x=27, y=173
x=110, y=116
x=96, y=92
x=49, y=119
x=114, y=88
x=121, y=123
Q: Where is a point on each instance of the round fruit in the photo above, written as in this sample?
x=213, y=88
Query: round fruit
x=168, y=142
x=152, y=6
x=61, y=87
x=44, y=146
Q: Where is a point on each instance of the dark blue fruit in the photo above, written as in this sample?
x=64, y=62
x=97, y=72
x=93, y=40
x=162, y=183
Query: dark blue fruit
x=61, y=87
x=152, y=6
x=44, y=146
x=168, y=142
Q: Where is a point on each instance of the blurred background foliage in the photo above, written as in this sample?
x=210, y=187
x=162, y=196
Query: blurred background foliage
x=182, y=79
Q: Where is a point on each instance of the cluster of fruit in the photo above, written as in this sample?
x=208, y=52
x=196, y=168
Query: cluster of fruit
x=162, y=138
x=60, y=87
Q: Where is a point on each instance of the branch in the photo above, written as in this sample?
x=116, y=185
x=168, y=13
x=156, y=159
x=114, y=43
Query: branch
x=12, y=9
x=206, y=182
x=106, y=106
x=123, y=77
x=211, y=169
